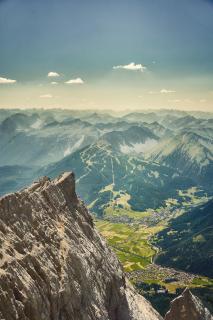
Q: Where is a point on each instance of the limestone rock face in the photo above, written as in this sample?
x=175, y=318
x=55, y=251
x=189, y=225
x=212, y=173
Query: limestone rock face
x=53, y=263
x=188, y=307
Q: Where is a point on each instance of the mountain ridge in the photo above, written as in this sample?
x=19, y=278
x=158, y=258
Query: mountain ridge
x=54, y=265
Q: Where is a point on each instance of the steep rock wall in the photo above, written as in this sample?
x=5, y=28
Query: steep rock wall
x=53, y=263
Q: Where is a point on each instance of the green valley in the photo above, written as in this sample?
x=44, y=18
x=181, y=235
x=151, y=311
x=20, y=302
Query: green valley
x=139, y=241
x=130, y=242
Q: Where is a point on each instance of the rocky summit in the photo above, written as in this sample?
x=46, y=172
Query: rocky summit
x=187, y=307
x=53, y=263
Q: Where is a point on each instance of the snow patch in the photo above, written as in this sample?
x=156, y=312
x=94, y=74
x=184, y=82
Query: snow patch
x=175, y=175
x=37, y=124
x=138, y=147
x=71, y=149
x=153, y=174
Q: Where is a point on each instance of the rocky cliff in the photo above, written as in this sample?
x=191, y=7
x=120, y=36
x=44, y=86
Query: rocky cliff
x=53, y=263
x=188, y=307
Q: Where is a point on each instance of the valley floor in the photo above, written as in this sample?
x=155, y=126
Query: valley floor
x=136, y=246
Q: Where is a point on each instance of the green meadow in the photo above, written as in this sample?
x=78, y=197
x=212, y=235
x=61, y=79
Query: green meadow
x=130, y=242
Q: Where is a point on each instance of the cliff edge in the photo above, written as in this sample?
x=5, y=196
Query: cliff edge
x=53, y=263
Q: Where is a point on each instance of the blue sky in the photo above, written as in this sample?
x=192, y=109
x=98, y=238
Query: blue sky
x=85, y=39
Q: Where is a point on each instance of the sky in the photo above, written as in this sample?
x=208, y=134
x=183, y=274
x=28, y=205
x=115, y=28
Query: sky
x=114, y=54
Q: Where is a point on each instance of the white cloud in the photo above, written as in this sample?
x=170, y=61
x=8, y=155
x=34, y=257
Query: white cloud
x=132, y=67
x=152, y=92
x=6, y=81
x=54, y=82
x=75, y=81
x=203, y=100
x=53, y=74
x=46, y=96
x=165, y=91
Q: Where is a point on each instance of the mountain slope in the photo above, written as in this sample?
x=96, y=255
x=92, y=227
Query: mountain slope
x=19, y=121
x=188, y=152
x=13, y=178
x=42, y=143
x=54, y=265
x=135, y=139
x=187, y=243
x=104, y=175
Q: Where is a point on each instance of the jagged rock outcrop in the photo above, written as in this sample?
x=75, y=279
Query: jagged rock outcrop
x=53, y=263
x=187, y=307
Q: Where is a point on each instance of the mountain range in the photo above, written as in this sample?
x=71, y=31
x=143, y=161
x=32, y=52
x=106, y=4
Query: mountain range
x=149, y=171
x=174, y=141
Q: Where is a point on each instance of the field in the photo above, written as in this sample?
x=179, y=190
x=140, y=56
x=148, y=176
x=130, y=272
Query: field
x=130, y=242
x=134, y=237
x=120, y=212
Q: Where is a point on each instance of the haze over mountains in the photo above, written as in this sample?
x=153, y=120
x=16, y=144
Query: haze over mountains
x=163, y=147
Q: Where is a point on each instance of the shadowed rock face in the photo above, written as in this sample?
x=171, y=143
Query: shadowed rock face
x=188, y=307
x=53, y=263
